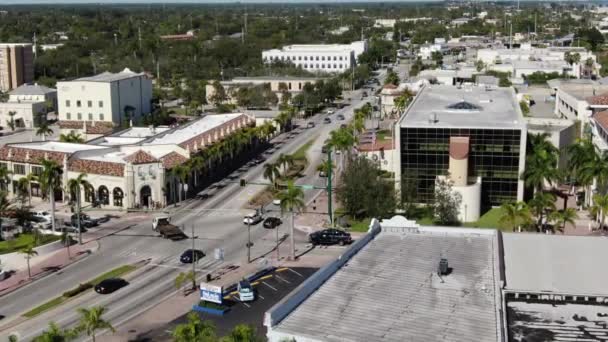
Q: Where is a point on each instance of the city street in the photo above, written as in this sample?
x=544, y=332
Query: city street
x=216, y=222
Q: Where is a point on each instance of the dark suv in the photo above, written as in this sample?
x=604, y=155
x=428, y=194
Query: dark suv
x=272, y=222
x=85, y=221
x=330, y=237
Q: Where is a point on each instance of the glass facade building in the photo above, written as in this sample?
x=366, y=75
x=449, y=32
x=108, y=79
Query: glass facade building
x=494, y=156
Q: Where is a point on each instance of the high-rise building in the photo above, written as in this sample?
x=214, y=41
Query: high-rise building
x=16, y=65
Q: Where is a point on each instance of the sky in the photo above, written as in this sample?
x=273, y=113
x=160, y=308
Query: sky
x=187, y=1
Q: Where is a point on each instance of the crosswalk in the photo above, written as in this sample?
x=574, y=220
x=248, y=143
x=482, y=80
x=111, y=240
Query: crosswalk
x=167, y=259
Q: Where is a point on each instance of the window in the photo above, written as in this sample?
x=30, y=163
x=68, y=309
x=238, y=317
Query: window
x=335, y=58
x=36, y=170
x=100, y=104
x=299, y=58
x=67, y=103
x=317, y=58
x=68, y=116
x=78, y=103
x=79, y=116
x=322, y=58
x=100, y=117
x=90, y=104
x=90, y=116
x=3, y=166
x=19, y=169
x=305, y=58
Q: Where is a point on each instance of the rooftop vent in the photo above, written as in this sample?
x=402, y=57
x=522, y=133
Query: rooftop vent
x=443, y=269
x=464, y=105
x=433, y=118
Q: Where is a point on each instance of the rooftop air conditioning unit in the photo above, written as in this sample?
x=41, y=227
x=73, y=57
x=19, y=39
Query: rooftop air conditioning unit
x=442, y=269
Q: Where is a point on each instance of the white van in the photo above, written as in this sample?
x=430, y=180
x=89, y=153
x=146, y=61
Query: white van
x=245, y=290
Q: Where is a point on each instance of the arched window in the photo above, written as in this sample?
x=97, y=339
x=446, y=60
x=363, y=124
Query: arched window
x=117, y=195
x=104, y=195
x=89, y=194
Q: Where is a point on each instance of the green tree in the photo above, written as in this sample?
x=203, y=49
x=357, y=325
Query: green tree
x=242, y=333
x=219, y=94
x=271, y=173
x=563, y=217
x=600, y=208
x=71, y=137
x=437, y=57
x=391, y=78
x=11, y=122
x=26, y=182
x=4, y=206
x=184, y=277
x=28, y=252
x=292, y=201
x=75, y=185
x=91, y=321
x=480, y=65
x=582, y=154
x=285, y=161
x=50, y=180
x=446, y=203
x=195, y=330
x=55, y=334
x=541, y=203
x=541, y=162
x=514, y=216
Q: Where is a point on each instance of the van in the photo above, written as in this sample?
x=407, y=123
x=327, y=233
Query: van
x=245, y=291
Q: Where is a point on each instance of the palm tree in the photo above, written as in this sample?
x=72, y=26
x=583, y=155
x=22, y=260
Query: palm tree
x=29, y=252
x=342, y=140
x=541, y=163
x=283, y=120
x=181, y=173
x=541, y=203
x=197, y=163
x=563, y=217
x=55, y=334
x=91, y=321
x=285, y=161
x=326, y=167
x=596, y=170
x=5, y=178
x=11, y=122
x=50, y=180
x=402, y=101
x=44, y=130
x=581, y=154
x=74, y=187
x=514, y=215
x=27, y=183
x=272, y=173
x=194, y=330
x=292, y=200
x=600, y=208
x=4, y=205
x=71, y=137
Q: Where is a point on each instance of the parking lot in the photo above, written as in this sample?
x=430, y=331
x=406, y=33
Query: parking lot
x=269, y=290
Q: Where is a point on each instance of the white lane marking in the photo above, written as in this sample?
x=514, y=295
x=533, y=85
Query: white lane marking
x=295, y=272
x=269, y=286
x=259, y=295
x=282, y=279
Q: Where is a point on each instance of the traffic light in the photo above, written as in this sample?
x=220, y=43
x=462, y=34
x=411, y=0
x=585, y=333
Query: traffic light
x=243, y=182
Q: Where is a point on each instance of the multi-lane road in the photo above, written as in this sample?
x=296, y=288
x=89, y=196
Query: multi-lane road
x=217, y=223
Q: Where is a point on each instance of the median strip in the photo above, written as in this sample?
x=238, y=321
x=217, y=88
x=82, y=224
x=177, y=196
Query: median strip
x=79, y=290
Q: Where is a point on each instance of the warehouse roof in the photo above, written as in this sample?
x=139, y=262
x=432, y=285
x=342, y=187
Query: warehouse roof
x=32, y=89
x=111, y=77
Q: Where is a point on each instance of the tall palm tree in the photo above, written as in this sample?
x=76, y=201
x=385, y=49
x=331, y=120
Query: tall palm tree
x=541, y=163
x=50, y=180
x=71, y=137
x=74, y=188
x=597, y=170
x=514, y=215
x=44, y=130
x=581, y=154
x=326, y=167
x=55, y=334
x=197, y=163
x=541, y=203
x=91, y=321
x=195, y=329
x=285, y=161
x=181, y=173
x=272, y=173
x=28, y=252
x=292, y=201
x=342, y=140
x=27, y=183
x=600, y=208
x=5, y=178
x=283, y=120
x=563, y=217
x=4, y=206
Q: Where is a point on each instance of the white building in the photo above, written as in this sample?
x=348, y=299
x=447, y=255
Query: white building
x=333, y=58
x=426, y=51
x=385, y=23
x=108, y=99
x=27, y=102
x=579, y=99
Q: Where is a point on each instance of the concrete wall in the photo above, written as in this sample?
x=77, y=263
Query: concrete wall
x=25, y=113
x=16, y=261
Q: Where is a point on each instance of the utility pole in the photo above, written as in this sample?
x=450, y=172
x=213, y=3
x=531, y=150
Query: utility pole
x=157, y=70
x=78, y=216
x=139, y=36
x=248, y=240
x=194, y=259
x=329, y=189
x=277, y=247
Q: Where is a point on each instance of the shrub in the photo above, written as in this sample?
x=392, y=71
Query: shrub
x=212, y=305
x=78, y=290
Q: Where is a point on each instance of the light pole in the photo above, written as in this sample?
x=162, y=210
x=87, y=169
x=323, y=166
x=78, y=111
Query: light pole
x=248, y=240
x=78, y=216
x=194, y=259
x=185, y=188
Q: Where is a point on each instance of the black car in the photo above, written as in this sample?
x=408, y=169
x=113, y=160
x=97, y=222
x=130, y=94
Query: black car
x=340, y=117
x=327, y=120
x=110, y=285
x=272, y=222
x=191, y=255
x=330, y=237
x=85, y=221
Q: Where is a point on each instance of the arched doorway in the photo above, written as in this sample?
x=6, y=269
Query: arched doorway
x=89, y=194
x=104, y=195
x=117, y=195
x=145, y=196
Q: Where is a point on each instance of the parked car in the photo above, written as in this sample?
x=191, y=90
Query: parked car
x=340, y=117
x=43, y=215
x=110, y=285
x=276, y=201
x=253, y=218
x=191, y=255
x=364, y=94
x=330, y=237
x=272, y=222
x=85, y=221
x=39, y=222
x=310, y=124
x=245, y=291
x=330, y=111
x=327, y=120
x=72, y=229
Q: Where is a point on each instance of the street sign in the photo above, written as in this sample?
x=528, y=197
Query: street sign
x=307, y=187
x=211, y=293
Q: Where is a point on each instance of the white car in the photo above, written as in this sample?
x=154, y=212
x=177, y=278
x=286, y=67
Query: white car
x=276, y=201
x=43, y=215
x=330, y=111
x=245, y=291
x=253, y=219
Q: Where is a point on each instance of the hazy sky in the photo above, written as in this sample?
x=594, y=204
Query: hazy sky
x=186, y=1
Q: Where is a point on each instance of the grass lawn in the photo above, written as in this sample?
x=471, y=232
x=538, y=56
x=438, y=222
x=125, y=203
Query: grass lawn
x=117, y=272
x=300, y=153
x=383, y=134
x=24, y=240
x=360, y=225
x=487, y=220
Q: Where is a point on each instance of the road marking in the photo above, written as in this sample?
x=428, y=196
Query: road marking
x=240, y=301
x=269, y=286
x=282, y=269
x=266, y=277
x=283, y=279
x=296, y=272
x=259, y=295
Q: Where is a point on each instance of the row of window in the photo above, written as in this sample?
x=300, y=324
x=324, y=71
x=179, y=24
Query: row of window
x=20, y=169
x=329, y=66
x=306, y=58
x=68, y=116
x=79, y=103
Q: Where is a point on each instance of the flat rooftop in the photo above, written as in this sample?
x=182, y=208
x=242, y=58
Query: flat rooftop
x=390, y=291
x=555, y=263
x=186, y=132
x=582, y=91
x=110, y=77
x=445, y=106
x=56, y=146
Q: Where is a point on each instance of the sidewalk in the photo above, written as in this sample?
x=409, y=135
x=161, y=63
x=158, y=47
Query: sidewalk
x=46, y=264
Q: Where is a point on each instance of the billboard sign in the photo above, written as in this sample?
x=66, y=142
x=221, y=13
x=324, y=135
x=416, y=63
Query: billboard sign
x=211, y=293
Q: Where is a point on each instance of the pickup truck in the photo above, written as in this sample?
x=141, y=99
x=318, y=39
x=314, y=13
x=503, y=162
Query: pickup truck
x=162, y=224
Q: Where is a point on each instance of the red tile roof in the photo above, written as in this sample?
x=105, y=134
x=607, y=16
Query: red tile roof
x=172, y=159
x=598, y=100
x=602, y=119
x=459, y=147
x=389, y=86
x=92, y=127
x=385, y=144
x=97, y=167
x=22, y=155
x=140, y=157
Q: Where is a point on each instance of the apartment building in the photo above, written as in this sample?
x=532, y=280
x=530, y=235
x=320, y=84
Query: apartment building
x=104, y=100
x=16, y=65
x=330, y=58
x=30, y=103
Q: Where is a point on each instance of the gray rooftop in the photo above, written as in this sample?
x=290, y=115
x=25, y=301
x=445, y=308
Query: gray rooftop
x=111, y=77
x=445, y=106
x=582, y=91
x=32, y=89
x=555, y=263
x=389, y=291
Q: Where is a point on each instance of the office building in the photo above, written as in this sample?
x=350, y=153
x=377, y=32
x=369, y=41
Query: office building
x=16, y=65
x=30, y=103
x=330, y=58
x=476, y=133
x=104, y=100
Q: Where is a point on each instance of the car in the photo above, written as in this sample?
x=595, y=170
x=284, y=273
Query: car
x=85, y=221
x=322, y=174
x=340, y=117
x=310, y=124
x=276, y=201
x=327, y=120
x=253, y=218
x=364, y=94
x=72, y=229
x=245, y=291
x=330, y=111
x=40, y=222
x=330, y=236
x=110, y=285
x=191, y=255
x=43, y=215
x=272, y=222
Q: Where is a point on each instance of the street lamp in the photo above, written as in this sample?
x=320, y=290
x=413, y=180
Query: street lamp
x=185, y=189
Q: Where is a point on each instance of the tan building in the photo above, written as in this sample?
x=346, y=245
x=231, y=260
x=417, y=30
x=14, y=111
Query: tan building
x=16, y=65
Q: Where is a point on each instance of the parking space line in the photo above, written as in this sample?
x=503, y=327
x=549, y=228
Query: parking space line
x=295, y=272
x=269, y=286
x=259, y=295
x=282, y=269
x=266, y=277
x=283, y=279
